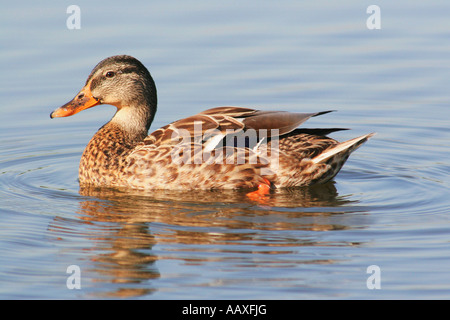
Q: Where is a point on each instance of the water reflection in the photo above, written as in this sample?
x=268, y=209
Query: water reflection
x=127, y=225
x=223, y=209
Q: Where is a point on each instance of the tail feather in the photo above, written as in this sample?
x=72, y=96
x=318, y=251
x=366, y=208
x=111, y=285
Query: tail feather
x=346, y=147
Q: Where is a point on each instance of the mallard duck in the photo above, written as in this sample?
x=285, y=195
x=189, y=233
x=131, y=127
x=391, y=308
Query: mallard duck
x=220, y=148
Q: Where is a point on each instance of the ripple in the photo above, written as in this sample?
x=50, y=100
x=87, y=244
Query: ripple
x=31, y=176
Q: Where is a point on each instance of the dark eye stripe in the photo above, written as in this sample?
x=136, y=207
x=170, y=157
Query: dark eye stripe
x=94, y=83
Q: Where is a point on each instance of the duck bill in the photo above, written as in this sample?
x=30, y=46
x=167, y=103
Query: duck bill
x=83, y=100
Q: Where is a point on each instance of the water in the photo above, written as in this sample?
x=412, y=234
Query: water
x=388, y=207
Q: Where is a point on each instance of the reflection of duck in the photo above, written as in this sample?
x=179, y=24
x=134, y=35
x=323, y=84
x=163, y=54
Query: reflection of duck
x=131, y=202
x=196, y=152
x=125, y=232
x=194, y=217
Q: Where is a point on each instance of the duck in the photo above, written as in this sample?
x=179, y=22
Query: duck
x=225, y=147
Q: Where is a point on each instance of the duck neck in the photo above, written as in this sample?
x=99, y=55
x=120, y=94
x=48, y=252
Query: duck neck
x=133, y=122
x=106, y=153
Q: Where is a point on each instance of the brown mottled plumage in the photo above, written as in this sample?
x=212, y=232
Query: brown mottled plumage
x=220, y=148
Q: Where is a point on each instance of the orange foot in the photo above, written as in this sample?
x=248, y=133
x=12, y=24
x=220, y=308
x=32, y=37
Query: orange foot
x=262, y=192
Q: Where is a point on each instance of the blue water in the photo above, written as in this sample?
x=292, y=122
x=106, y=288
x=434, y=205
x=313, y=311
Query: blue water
x=388, y=207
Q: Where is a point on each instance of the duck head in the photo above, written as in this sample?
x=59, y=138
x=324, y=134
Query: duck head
x=121, y=81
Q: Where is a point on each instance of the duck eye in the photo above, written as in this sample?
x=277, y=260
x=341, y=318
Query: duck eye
x=110, y=74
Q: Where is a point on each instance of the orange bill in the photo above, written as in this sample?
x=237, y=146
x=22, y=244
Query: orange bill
x=83, y=100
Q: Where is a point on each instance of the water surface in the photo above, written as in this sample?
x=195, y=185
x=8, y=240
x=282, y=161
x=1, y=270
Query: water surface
x=388, y=207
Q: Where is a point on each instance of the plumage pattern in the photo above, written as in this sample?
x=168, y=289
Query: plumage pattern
x=219, y=148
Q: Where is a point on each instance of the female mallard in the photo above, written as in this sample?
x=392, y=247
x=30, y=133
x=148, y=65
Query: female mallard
x=220, y=148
